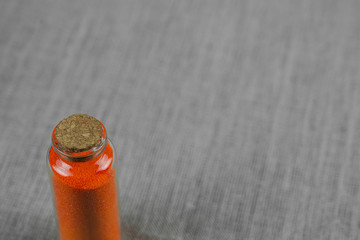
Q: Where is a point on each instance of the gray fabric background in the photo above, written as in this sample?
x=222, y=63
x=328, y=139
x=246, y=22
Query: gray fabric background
x=232, y=119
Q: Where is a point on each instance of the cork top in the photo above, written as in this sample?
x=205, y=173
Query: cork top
x=78, y=133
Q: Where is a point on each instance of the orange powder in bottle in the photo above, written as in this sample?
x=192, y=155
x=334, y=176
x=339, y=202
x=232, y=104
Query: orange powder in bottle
x=85, y=195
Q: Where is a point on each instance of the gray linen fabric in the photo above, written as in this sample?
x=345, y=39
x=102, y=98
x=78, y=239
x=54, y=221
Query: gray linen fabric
x=232, y=119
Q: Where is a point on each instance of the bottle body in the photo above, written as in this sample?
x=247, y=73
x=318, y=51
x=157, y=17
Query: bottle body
x=85, y=194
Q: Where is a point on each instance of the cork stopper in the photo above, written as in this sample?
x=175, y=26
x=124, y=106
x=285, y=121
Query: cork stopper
x=78, y=133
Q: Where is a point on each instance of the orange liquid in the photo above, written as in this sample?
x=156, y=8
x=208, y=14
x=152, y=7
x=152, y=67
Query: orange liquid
x=86, y=197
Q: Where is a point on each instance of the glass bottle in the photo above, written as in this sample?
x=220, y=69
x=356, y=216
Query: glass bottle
x=84, y=182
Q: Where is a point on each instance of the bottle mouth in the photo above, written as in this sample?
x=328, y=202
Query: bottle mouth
x=82, y=156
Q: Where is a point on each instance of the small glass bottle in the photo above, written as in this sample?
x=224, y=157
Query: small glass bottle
x=82, y=169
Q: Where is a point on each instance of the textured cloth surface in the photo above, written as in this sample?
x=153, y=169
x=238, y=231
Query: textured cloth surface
x=232, y=119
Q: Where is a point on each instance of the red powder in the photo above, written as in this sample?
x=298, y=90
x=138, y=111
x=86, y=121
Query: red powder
x=86, y=197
